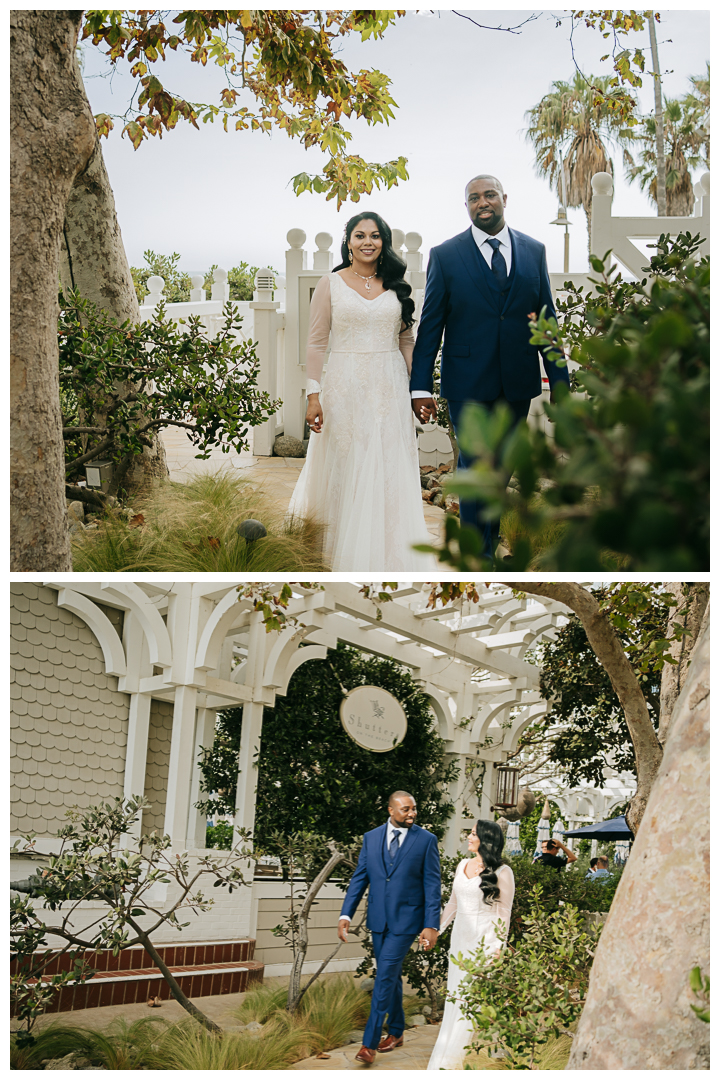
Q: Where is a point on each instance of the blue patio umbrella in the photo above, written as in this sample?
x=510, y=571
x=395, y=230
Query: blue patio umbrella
x=615, y=829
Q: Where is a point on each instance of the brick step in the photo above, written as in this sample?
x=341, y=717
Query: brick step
x=138, y=984
x=180, y=954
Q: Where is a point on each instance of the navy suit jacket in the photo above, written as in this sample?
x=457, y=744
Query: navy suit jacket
x=405, y=898
x=486, y=349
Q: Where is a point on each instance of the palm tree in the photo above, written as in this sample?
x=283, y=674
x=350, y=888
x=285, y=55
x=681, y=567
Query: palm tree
x=687, y=146
x=571, y=129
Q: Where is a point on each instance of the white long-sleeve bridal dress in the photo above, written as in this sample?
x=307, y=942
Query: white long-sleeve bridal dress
x=474, y=920
x=361, y=476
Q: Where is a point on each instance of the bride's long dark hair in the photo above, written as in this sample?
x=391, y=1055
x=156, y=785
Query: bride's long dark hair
x=490, y=850
x=390, y=269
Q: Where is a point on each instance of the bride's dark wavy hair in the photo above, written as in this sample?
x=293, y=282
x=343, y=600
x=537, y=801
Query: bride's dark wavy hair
x=391, y=268
x=492, y=842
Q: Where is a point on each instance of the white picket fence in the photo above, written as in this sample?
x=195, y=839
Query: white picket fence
x=277, y=318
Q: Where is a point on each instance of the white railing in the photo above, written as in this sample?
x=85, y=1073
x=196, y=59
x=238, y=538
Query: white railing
x=278, y=318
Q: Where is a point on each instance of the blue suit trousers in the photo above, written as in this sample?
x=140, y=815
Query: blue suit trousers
x=472, y=511
x=390, y=951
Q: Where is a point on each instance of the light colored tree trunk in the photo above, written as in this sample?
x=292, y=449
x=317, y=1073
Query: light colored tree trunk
x=94, y=262
x=659, y=121
x=52, y=137
x=692, y=600
x=638, y=1013
x=608, y=648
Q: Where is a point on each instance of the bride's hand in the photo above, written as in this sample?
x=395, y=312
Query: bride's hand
x=314, y=414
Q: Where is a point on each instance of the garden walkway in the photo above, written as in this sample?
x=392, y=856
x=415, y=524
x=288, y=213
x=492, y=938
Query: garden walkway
x=414, y=1054
x=275, y=475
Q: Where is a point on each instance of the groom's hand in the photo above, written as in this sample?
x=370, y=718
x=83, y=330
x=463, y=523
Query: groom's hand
x=428, y=938
x=425, y=408
x=343, y=926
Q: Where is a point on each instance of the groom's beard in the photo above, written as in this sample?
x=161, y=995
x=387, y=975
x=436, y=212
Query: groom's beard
x=488, y=224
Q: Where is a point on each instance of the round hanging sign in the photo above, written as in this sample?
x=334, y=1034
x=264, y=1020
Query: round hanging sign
x=373, y=718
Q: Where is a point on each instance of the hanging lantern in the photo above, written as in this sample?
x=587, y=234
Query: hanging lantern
x=506, y=787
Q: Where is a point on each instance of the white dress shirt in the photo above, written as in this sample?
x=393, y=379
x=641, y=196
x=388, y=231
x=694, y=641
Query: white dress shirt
x=481, y=239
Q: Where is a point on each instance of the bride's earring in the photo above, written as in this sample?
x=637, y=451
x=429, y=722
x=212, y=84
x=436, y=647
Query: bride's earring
x=350, y=256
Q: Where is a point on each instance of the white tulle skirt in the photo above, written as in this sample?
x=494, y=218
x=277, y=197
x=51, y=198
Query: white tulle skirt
x=361, y=475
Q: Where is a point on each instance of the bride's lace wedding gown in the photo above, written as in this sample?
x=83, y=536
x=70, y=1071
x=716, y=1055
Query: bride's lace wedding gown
x=361, y=475
x=474, y=920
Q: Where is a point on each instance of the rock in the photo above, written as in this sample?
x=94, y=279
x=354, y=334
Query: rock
x=427, y=481
x=253, y=1028
x=367, y=984
x=417, y=1021
x=356, y=1036
x=427, y=496
x=70, y=1061
x=452, y=505
x=438, y=499
x=287, y=446
x=424, y=469
x=76, y=511
x=427, y=1011
x=444, y=468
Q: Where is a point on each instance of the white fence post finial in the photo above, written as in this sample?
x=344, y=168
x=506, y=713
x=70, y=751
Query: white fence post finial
x=398, y=239
x=155, y=285
x=323, y=257
x=197, y=293
x=220, y=287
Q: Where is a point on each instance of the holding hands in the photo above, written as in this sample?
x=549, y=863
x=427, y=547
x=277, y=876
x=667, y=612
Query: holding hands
x=427, y=939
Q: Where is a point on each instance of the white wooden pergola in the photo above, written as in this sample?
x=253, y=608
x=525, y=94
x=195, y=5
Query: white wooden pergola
x=201, y=647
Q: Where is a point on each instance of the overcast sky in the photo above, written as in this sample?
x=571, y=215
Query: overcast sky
x=461, y=95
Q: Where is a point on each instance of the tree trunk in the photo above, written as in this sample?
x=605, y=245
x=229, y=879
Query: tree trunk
x=94, y=262
x=659, y=122
x=174, y=986
x=52, y=137
x=695, y=606
x=294, y=992
x=638, y=1013
x=609, y=651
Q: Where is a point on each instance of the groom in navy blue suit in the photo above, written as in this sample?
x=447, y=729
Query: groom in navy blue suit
x=401, y=864
x=481, y=286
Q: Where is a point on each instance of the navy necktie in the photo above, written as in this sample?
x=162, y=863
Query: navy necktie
x=394, y=844
x=498, y=264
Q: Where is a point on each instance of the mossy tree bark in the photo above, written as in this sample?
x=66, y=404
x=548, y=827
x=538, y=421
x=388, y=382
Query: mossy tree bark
x=52, y=137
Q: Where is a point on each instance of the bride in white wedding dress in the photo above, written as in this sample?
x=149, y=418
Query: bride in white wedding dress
x=477, y=880
x=361, y=477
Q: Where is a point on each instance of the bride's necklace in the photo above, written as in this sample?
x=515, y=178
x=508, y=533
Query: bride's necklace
x=477, y=867
x=367, y=280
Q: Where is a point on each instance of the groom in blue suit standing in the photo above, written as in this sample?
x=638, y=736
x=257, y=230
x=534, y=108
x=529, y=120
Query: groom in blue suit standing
x=481, y=286
x=401, y=864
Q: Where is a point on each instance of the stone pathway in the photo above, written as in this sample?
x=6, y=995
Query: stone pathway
x=275, y=476
x=414, y=1054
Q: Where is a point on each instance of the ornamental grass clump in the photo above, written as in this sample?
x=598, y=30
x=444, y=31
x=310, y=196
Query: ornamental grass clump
x=188, y=1046
x=534, y=990
x=328, y=1012
x=193, y=527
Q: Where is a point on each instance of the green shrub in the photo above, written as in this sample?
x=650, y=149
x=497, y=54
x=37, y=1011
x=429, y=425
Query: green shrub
x=534, y=989
x=220, y=835
x=555, y=889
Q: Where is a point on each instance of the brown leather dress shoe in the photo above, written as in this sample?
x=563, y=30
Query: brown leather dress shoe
x=389, y=1043
x=366, y=1055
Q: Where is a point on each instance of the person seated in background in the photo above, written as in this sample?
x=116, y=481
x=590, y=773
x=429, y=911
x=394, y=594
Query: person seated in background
x=598, y=869
x=551, y=856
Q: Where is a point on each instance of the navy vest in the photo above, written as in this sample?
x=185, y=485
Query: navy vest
x=500, y=295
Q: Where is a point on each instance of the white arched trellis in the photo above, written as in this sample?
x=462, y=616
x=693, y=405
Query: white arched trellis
x=214, y=653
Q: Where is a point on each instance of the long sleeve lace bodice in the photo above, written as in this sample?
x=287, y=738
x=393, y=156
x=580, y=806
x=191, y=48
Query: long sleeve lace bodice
x=500, y=910
x=319, y=335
